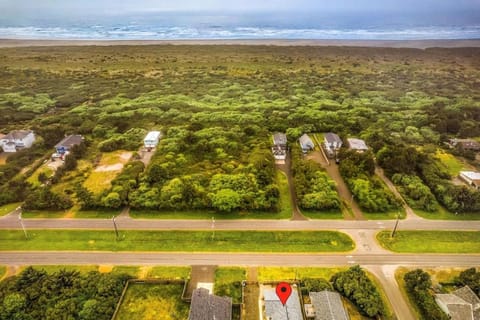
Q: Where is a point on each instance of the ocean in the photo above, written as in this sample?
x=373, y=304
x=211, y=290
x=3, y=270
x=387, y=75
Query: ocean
x=260, y=25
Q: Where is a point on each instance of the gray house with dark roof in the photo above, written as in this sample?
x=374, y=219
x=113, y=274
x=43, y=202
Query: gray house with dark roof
x=461, y=304
x=68, y=142
x=279, y=148
x=205, y=306
x=326, y=305
x=306, y=143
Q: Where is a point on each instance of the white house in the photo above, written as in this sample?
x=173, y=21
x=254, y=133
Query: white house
x=472, y=178
x=17, y=139
x=332, y=143
x=357, y=144
x=152, y=138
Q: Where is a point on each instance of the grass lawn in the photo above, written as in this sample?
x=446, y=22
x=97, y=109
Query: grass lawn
x=185, y=241
x=323, y=214
x=389, y=215
x=169, y=272
x=96, y=214
x=153, y=301
x=33, y=179
x=110, y=165
x=443, y=214
x=40, y=214
x=133, y=271
x=73, y=212
x=3, y=271
x=452, y=163
x=7, y=208
x=99, y=181
x=55, y=268
x=285, y=211
x=291, y=273
x=431, y=241
x=228, y=282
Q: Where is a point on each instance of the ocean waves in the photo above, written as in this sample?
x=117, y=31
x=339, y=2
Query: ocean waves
x=152, y=32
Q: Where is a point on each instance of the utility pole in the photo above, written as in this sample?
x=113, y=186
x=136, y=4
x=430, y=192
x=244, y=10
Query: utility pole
x=115, y=227
x=213, y=228
x=21, y=223
x=395, y=228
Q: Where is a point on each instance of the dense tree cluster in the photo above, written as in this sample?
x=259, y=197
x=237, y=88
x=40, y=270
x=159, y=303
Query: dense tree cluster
x=197, y=168
x=358, y=171
x=12, y=184
x=418, y=285
x=315, y=285
x=220, y=105
x=315, y=190
x=34, y=294
x=417, y=194
x=470, y=277
x=355, y=285
x=419, y=174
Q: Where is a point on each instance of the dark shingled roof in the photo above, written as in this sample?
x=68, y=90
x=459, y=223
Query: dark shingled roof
x=205, y=306
x=70, y=141
x=328, y=306
x=332, y=137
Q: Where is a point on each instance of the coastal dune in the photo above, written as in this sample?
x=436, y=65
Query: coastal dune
x=417, y=44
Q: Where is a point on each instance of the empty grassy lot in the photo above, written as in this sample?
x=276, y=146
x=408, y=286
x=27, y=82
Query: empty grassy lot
x=228, y=282
x=185, y=241
x=109, y=166
x=453, y=164
x=431, y=241
x=290, y=273
x=153, y=301
x=7, y=208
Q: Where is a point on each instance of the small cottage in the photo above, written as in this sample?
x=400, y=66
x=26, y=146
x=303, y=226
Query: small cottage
x=472, y=178
x=152, y=138
x=357, y=144
x=306, y=143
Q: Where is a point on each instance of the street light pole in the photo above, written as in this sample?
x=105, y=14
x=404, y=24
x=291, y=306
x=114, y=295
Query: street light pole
x=115, y=227
x=396, y=225
x=21, y=223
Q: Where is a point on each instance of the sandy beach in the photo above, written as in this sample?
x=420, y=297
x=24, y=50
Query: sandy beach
x=418, y=44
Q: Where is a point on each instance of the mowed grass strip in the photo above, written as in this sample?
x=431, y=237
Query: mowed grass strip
x=431, y=241
x=184, y=241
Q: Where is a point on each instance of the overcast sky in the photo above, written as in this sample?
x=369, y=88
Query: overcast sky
x=119, y=6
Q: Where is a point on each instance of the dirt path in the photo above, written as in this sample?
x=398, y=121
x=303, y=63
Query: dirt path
x=200, y=274
x=342, y=189
x=286, y=168
x=145, y=155
x=410, y=213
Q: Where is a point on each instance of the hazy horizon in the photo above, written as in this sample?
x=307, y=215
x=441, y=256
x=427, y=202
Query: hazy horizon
x=305, y=19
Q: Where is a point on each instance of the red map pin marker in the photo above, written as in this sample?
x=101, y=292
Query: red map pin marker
x=283, y=291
